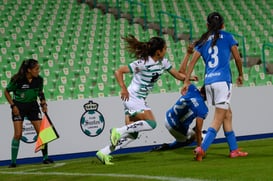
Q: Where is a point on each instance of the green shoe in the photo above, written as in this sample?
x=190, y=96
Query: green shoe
x=105, y=159
x=115, y=136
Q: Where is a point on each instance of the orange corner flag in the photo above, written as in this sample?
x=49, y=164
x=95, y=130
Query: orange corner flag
x=47, y=133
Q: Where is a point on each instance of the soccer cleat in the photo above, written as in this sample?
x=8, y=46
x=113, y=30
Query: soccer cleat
x=114, y=136
x=48, y=161
x=199, y=153
x=12, y=165
x=104, y=158
x=237, y=153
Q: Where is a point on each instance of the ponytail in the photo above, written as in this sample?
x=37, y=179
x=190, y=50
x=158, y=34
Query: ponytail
x=142, y=50
x=26, y=64
x=215, y=23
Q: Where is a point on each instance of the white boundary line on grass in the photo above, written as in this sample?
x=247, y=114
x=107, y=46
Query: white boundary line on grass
x=33, y=168
x=103, y=175
x=37, y=171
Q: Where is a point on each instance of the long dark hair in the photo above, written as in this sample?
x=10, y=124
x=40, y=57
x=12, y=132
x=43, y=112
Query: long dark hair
x=26, y=64
x=142, y=50
x=203, y=92
x=215, y=23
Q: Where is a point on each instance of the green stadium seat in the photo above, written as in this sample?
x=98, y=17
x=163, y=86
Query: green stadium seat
x=97, y=90
x=81, y=91
x=7, y=74
x=88, y=42
x=4, y=83
x=45, y=72
x=63, y=92
x=2, y=97
x=83, y=79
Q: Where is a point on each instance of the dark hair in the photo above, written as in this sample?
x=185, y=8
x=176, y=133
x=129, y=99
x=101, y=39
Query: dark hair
x=215, y=22
x=141, y=50
x=203, y=92
x=26, y=64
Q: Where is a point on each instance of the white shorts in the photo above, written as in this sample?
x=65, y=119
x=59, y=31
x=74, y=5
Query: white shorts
x=135, y=105
x=219, y=94
x=179, y=137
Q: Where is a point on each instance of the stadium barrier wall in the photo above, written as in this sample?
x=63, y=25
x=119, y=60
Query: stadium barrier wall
x=87, y=130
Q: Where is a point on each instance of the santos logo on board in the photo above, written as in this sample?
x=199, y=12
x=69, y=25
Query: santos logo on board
x=92, y=121
x=29, y=134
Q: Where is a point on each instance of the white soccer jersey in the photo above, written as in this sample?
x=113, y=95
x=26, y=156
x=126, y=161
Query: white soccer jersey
x=145, y=75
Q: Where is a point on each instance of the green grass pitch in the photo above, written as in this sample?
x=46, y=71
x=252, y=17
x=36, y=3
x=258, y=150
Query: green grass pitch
x=173, y=165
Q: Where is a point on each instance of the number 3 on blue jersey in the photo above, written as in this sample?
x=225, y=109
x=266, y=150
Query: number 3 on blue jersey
x=214, y=56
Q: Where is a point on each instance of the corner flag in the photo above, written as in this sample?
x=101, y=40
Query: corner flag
x=47, y=133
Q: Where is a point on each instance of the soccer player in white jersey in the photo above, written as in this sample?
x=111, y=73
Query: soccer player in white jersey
x=215, y=46
x=146, y=69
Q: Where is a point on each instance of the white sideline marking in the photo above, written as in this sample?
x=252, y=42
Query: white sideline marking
x=100, y=174
x=32, y=168
x=43, y=168
x=36, y=171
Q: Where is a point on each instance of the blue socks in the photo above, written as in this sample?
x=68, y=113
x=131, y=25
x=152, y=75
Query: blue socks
x=210, y=136
x=231, y=140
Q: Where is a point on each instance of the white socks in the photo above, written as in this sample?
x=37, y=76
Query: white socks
x=129, y=133
x=137, y=126
x=124, y=141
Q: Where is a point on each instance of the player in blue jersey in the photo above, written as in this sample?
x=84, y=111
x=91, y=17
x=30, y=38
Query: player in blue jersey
x=180, y=116
x=216, y=46
x=149, y=65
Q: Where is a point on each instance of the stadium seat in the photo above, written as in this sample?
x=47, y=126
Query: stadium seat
x=67, y=35
x=4, y=84
x=2, y=97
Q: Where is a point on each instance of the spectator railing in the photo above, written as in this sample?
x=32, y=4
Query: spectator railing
x=268, y=66
x=175, y=19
